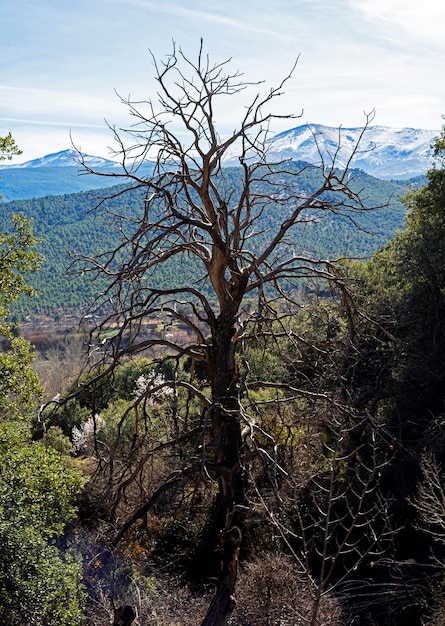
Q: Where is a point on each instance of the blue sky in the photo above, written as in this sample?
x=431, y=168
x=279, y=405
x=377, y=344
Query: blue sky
x=61, y=61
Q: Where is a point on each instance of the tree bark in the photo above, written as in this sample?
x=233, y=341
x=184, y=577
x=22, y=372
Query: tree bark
x=223, y=602
x=226, y=445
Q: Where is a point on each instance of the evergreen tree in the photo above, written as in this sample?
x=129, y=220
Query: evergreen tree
x=38, y=585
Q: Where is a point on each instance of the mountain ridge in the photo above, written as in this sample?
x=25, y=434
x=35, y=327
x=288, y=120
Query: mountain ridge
x=385, y=153
x=58, y=173
x=63, y=158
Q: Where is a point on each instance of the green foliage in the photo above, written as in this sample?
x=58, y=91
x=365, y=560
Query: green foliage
x=17, y=257
x=54, y=438
x=70, y=414
x=38, y=585
x=8, y=148
x=105, y=398
x=126, y=377
x=34, y=486
x=19, y=385
x=404, y=288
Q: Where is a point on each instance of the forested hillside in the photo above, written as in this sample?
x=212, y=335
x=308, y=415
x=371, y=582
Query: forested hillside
x=68, y=225
x=36, y=183
x=57, y=174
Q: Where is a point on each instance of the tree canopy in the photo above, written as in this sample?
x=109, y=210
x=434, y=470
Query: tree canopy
x=8, y=148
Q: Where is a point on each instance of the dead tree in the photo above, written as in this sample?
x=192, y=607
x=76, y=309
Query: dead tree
x=216, y=223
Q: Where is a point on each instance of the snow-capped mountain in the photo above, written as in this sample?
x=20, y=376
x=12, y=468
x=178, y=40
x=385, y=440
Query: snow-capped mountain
x=64, y=158
x=383, y=152
x=58, y=174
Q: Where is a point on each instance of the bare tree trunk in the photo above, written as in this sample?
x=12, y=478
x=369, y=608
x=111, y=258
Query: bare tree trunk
x=226, y=443
x=225, y=428
x=223, y=602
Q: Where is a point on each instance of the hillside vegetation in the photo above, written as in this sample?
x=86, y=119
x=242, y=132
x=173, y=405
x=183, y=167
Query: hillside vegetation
x=69, y=225
x=28, y=183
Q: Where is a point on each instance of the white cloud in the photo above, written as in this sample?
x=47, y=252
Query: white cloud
x=417, y=21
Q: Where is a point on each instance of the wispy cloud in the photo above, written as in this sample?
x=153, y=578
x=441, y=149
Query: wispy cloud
x=63, y=124
x=221, y=14
x=406, y=19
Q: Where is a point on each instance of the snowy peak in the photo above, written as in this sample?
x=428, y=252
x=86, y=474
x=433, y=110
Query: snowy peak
x=383, y=152
x=65, y=158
